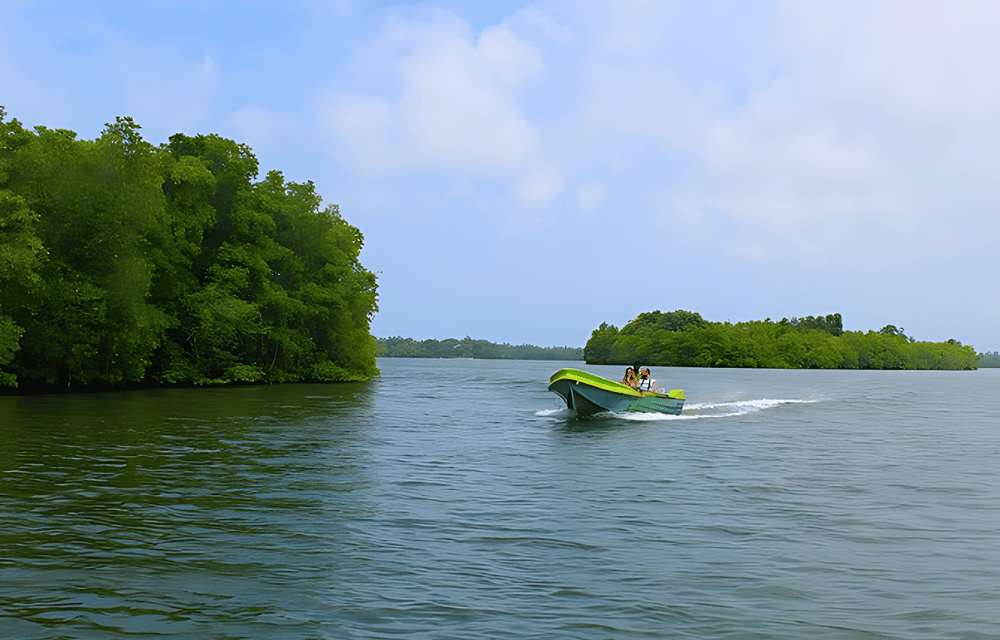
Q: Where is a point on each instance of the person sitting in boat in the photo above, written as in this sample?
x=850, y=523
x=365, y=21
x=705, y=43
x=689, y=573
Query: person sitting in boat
x=630, y=378
x=646, y=382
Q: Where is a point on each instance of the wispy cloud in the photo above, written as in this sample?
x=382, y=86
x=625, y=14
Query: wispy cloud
x=458, y=106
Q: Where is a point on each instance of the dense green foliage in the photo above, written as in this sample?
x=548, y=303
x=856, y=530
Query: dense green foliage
x=685, y=339
x=125, y=264
x=989, y=360
x=469, y=348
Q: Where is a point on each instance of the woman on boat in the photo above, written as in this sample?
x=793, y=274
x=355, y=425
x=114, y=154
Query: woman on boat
x=629, y=378
x=646, y=382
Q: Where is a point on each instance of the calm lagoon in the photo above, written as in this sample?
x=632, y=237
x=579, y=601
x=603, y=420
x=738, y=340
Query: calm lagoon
x=456, y=499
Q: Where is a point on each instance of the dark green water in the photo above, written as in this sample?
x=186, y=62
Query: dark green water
x=454, y=499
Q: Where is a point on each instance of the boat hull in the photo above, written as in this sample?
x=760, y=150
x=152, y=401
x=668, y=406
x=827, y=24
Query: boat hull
x=587, y=394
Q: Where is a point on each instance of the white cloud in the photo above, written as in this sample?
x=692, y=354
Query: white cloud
x=591, y=196
x=539, y=185
x=748, y=251
x=878, y=124
x=531, y=23
x=458, y=108
x=882, y=121
x=832, y=131
x=919, y=59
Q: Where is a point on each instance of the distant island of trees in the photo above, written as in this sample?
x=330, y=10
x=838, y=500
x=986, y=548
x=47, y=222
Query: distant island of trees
x=128, y=264
x=989, y=360
x=684, y=339
x=398, y=347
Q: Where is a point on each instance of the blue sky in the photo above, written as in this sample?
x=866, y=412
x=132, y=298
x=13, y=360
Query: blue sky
x=523, y=172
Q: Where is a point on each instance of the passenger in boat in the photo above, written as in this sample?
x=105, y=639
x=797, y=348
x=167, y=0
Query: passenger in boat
x=630, y=378
x=646, y=382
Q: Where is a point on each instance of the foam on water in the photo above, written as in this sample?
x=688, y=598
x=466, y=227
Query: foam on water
x=554, y=413
x=723, y=409
x=716, y=409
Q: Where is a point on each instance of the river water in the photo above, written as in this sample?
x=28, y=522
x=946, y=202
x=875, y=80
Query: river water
x=456, y=499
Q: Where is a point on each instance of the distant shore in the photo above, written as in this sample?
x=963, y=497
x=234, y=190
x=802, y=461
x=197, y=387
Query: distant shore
x=399, y=347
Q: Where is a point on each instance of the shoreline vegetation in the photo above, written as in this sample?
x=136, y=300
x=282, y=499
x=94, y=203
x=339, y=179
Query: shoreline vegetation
x=129, y=265
x=398, y=347
x=684, y=339
x=989, y=360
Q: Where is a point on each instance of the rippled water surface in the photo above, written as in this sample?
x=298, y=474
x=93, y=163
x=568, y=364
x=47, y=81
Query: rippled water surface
x=456, y=499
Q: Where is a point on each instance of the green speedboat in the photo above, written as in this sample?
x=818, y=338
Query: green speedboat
x=587, y=394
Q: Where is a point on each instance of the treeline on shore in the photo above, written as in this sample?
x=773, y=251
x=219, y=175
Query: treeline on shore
x=684, y=339
x=128, y=264
x=989, y=360
x=398, y=347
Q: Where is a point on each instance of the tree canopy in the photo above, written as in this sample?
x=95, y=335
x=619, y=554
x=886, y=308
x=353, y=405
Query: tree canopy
x=685, y=339
x=124, y=263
